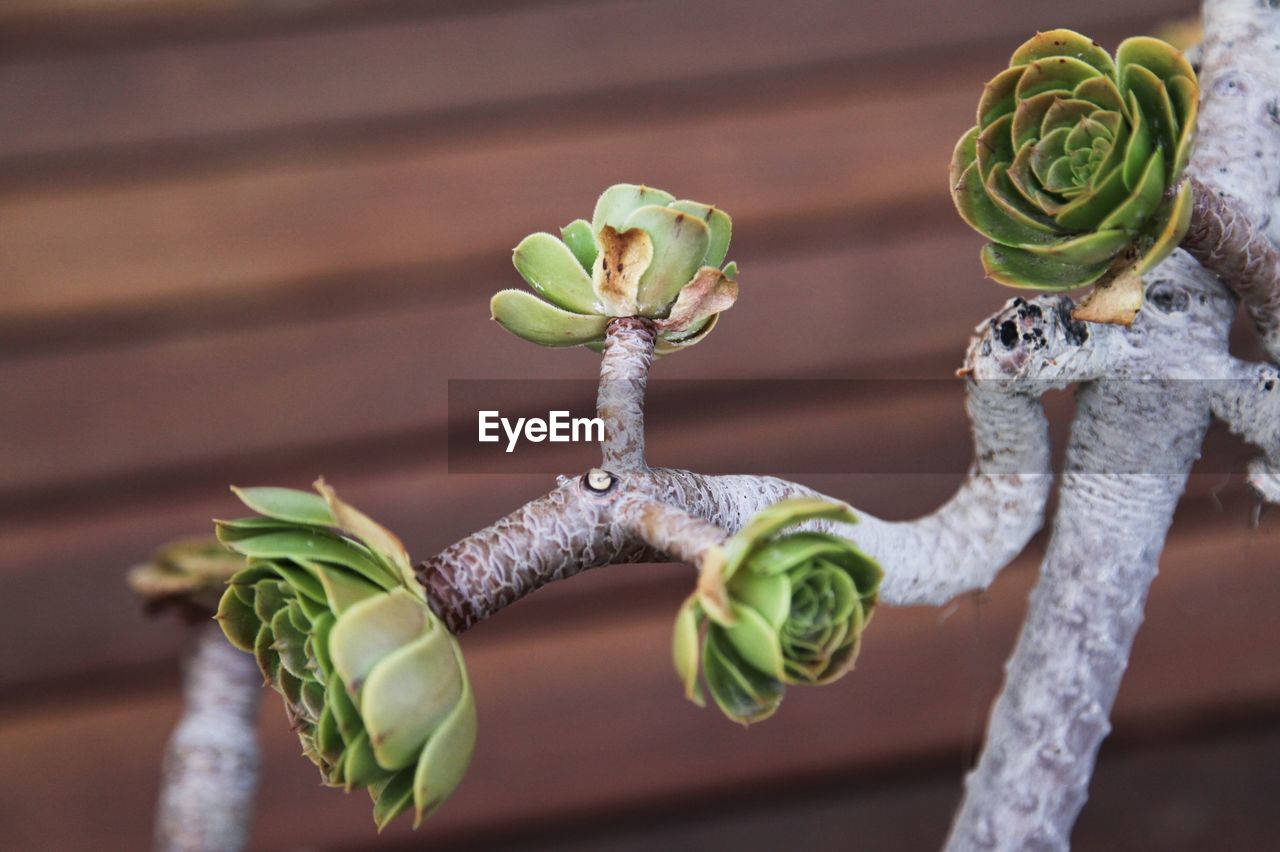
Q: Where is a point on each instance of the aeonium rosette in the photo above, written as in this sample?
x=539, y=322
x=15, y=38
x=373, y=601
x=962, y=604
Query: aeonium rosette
x=780, y=606
x=643, y=253
x=1074, y=170
x=372, y=682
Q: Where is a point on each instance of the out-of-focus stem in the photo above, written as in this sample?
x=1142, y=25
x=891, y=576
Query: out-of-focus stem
x=210, y=769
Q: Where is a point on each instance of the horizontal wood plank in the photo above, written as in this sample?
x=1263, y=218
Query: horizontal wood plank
x=409, y=207
x=436, y=64
x=78, y=416
x=1207, y=791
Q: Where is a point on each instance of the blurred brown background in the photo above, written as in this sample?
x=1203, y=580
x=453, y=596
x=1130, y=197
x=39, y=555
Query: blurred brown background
x=251, y=241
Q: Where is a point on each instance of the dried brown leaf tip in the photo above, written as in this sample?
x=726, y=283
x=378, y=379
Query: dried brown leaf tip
x=710, y=292
x=623, y=258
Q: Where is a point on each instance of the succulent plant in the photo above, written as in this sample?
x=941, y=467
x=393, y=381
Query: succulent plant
x=780, y=606
x=190, y=574
x=642, y=254
x=372, y=681
x=1074, y=169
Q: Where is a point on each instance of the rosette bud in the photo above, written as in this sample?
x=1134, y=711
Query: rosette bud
x=642, y=254
x=372, y=681
x=189, y=574
x=780, y=606
x=1074, y=170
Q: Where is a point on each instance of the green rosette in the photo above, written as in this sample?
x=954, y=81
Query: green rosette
x=644, y=253
x=1074, y=169
x=372, y=682
x=775, y=606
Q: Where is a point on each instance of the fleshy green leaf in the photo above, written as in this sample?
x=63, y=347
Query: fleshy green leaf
x=680, y=242
x=341, y=589
x=1103, y=92
x=554, y=273
x=345, y=714
x=989, y=219
x=1068, y=43
x=998, y=95
x=1186, y=101
x=782, y=554
x=779, y=516
x=755, y=640
x=1138, y=151
x=964, y=155
x=1085, y=212
x=447, y=754
x=1018, y=268
x=618, y=202
x=360, y=766
x=995, y=145
x=581, y=240
x=766, y=592
x=1060, y=74
x=742, y=693
x=1157, y=107
x=320, y=643
x=719, y=227
x=1171, y=226
x=1160, y=58
x=289, y=644
x=526, y=316
x=408, y=694
x=238, y=621
x=1002, y=192
x=684, y=649
x=286, y=504
x=1029, y=115
x=393, y=798
x=1143, y=201
x=308, y=544
x=372, y=629
x=380, y=540
x=1086, y=249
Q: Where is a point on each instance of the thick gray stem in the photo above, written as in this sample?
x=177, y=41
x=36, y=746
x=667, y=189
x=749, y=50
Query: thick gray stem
x=1063, y=676
x=1021, y=352
x=1229, y=242
x=554, y=537
x=1135, y=436
x=211, y=765
x=624, y=373
x=668, y=529
x=959, y=548
x=1248, y=401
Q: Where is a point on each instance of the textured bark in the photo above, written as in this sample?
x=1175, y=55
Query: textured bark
x=1225, y=239
x=210, y=769
x=959, y=548
x=667, y=528
x=1248, y=401
x=551, y=538
x=624, y=372
x=1137, y=431
x=1132, y=443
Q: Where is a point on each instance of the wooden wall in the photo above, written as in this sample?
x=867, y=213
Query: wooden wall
x=251, y=242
